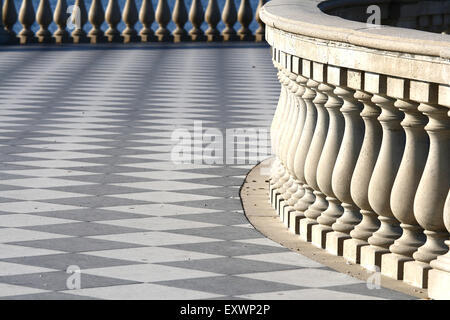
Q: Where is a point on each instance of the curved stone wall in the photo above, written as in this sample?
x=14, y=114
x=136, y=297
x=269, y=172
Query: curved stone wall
x=362, y=138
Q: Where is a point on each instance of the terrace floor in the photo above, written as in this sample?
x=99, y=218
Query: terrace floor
x=86, y=178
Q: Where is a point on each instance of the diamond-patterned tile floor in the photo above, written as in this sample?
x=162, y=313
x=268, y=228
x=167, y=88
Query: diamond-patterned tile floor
x=87, y=178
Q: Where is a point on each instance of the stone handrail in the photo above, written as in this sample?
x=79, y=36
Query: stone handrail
x=96, y=15
x=361, y=135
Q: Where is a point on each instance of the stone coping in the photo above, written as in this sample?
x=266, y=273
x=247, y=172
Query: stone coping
x=306, y=18
x=255, y=201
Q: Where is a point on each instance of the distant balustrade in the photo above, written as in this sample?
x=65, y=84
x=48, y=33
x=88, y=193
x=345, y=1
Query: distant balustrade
x=361, y=132
x=82, y=24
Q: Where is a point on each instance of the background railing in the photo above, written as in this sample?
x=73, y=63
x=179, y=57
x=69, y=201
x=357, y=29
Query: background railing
x=97, y=21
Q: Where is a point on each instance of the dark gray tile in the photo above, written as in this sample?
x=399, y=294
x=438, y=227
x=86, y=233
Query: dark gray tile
x=221, y=232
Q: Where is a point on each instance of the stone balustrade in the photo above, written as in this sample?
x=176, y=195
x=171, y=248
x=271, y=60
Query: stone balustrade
x=71, y=27
x=361, y=133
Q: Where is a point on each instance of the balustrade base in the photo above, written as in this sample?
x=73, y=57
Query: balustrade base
x=259, y=37
x=4, y=36
x=415, y=273
x=335, y=242
x=439, y=283
x=129, y=38
x=319, y=235
x=306, y=226
x=371, y=257
x=392, y=265
x=283, y=213
x=294, y=221
x=352, y=250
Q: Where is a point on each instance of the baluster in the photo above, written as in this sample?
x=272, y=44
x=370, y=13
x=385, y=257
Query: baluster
x=4, y=35
x=245, y=17
x=196, y=18
x=229, y=17
x=26, y=18
x=44, y=18
x=291, y=196
x=277, y=131
x=96, y=18
x=163, y=18
x=286, y=140
x=439, y=280
x=307, y=199
x=326, y=166
x=79, y=19
x=112, y=17
x=9, y=15
x=345, y=163
x=60, y=16
x=406, y=182
x=130, y=17
x=384, y=173
x=315, y=151
x=282, y=140
x=179, y=17
x=261, y=31
x=433, y=186
x=212, y=17
x=359, y=187
x=146, y=17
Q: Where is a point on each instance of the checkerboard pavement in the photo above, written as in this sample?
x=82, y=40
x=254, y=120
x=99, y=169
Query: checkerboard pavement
x=86, y=178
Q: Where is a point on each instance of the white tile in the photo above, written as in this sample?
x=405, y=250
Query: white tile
x=307, y=294
x=13, y=251
x=55, y=163
x=158, y=223
x=169, y=175
x=152, y=254
x=143, y=291
x=305, y=277
x=11, y=269
x=290, y=258
x=68, y=146
x=8, y=290
x=60, y=155
x=48, y=172
x=19, y=220
x=15, y=235
x=33, y=206
x=160, y=209
x=154, y=238
x=162, y=197
x=43, y=182
x=165, y=185
x=148, y=273
x=38, y=194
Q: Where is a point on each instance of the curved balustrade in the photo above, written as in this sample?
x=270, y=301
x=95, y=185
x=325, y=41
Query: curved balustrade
x=71, y=26
x=361, y=132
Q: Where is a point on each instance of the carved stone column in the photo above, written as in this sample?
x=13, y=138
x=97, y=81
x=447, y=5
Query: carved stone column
x=245, y=17
x=326, y=166
x=162, y=16
x=433, y=187
x=9, y=16
x=384, y=173
x=79, y=20
x=212, y=17
x=407, y=181
x=44, y=18
x=260, y=33
x=130, y=17
x=229, y=18
x=146, y=17
x=308, y=197
x=439, y=276
x=359, y=187
x=345, y=163
x=60, y=17
x=196, y=16
x=179, y=17
x=112, y=17
x=96, y=18
x=26, y=18
x=315, y=151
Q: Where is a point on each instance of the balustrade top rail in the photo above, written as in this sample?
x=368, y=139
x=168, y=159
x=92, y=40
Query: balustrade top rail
x=303, y=29
x=79, y=15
